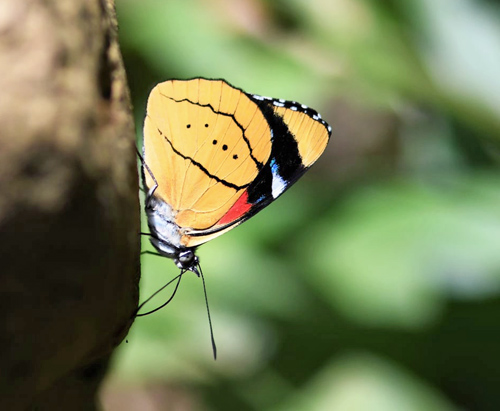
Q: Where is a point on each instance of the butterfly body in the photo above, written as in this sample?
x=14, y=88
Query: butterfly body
x=214, y=156
x=165, y=234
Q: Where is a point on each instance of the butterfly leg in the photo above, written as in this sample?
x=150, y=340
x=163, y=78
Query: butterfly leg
x=151, y=191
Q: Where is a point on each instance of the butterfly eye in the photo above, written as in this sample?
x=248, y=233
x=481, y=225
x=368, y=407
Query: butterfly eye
x=185, y=257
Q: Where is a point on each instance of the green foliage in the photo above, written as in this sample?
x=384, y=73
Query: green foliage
x=374, y=283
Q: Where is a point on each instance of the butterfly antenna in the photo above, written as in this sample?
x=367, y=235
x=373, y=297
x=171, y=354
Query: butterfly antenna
x=214, y=347
x=178, y=278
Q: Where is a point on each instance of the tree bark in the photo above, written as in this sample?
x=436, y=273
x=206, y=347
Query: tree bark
x=69, y=210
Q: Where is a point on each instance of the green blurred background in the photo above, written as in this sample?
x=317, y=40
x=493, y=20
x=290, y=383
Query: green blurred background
x=374, y=283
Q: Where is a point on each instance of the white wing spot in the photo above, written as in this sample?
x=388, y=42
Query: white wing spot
x=257, y=97
x=293, y=108
x=278, y=185
x=277, y=103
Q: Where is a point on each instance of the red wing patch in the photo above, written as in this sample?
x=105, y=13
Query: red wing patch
x=239, y=209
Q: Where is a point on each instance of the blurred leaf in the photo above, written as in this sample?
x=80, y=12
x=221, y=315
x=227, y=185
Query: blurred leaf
x=172, y=45
x=361, y=382
x=464, y=61
x=395, y=252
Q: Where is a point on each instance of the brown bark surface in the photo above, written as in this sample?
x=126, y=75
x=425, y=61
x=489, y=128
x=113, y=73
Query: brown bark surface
x=69, y=216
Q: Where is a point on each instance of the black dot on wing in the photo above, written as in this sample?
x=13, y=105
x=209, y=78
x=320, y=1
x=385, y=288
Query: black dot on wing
x=235, y=156
x=214, y=142
x=188, y=126
x=224, y=147
x=206, y=125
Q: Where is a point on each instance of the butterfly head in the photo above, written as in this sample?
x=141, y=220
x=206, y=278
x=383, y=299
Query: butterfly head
x=187, y=260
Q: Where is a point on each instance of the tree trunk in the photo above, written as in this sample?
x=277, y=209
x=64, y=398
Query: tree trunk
x=69, y=211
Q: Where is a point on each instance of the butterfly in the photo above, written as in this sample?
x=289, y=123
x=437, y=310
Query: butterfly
x=214, y=156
